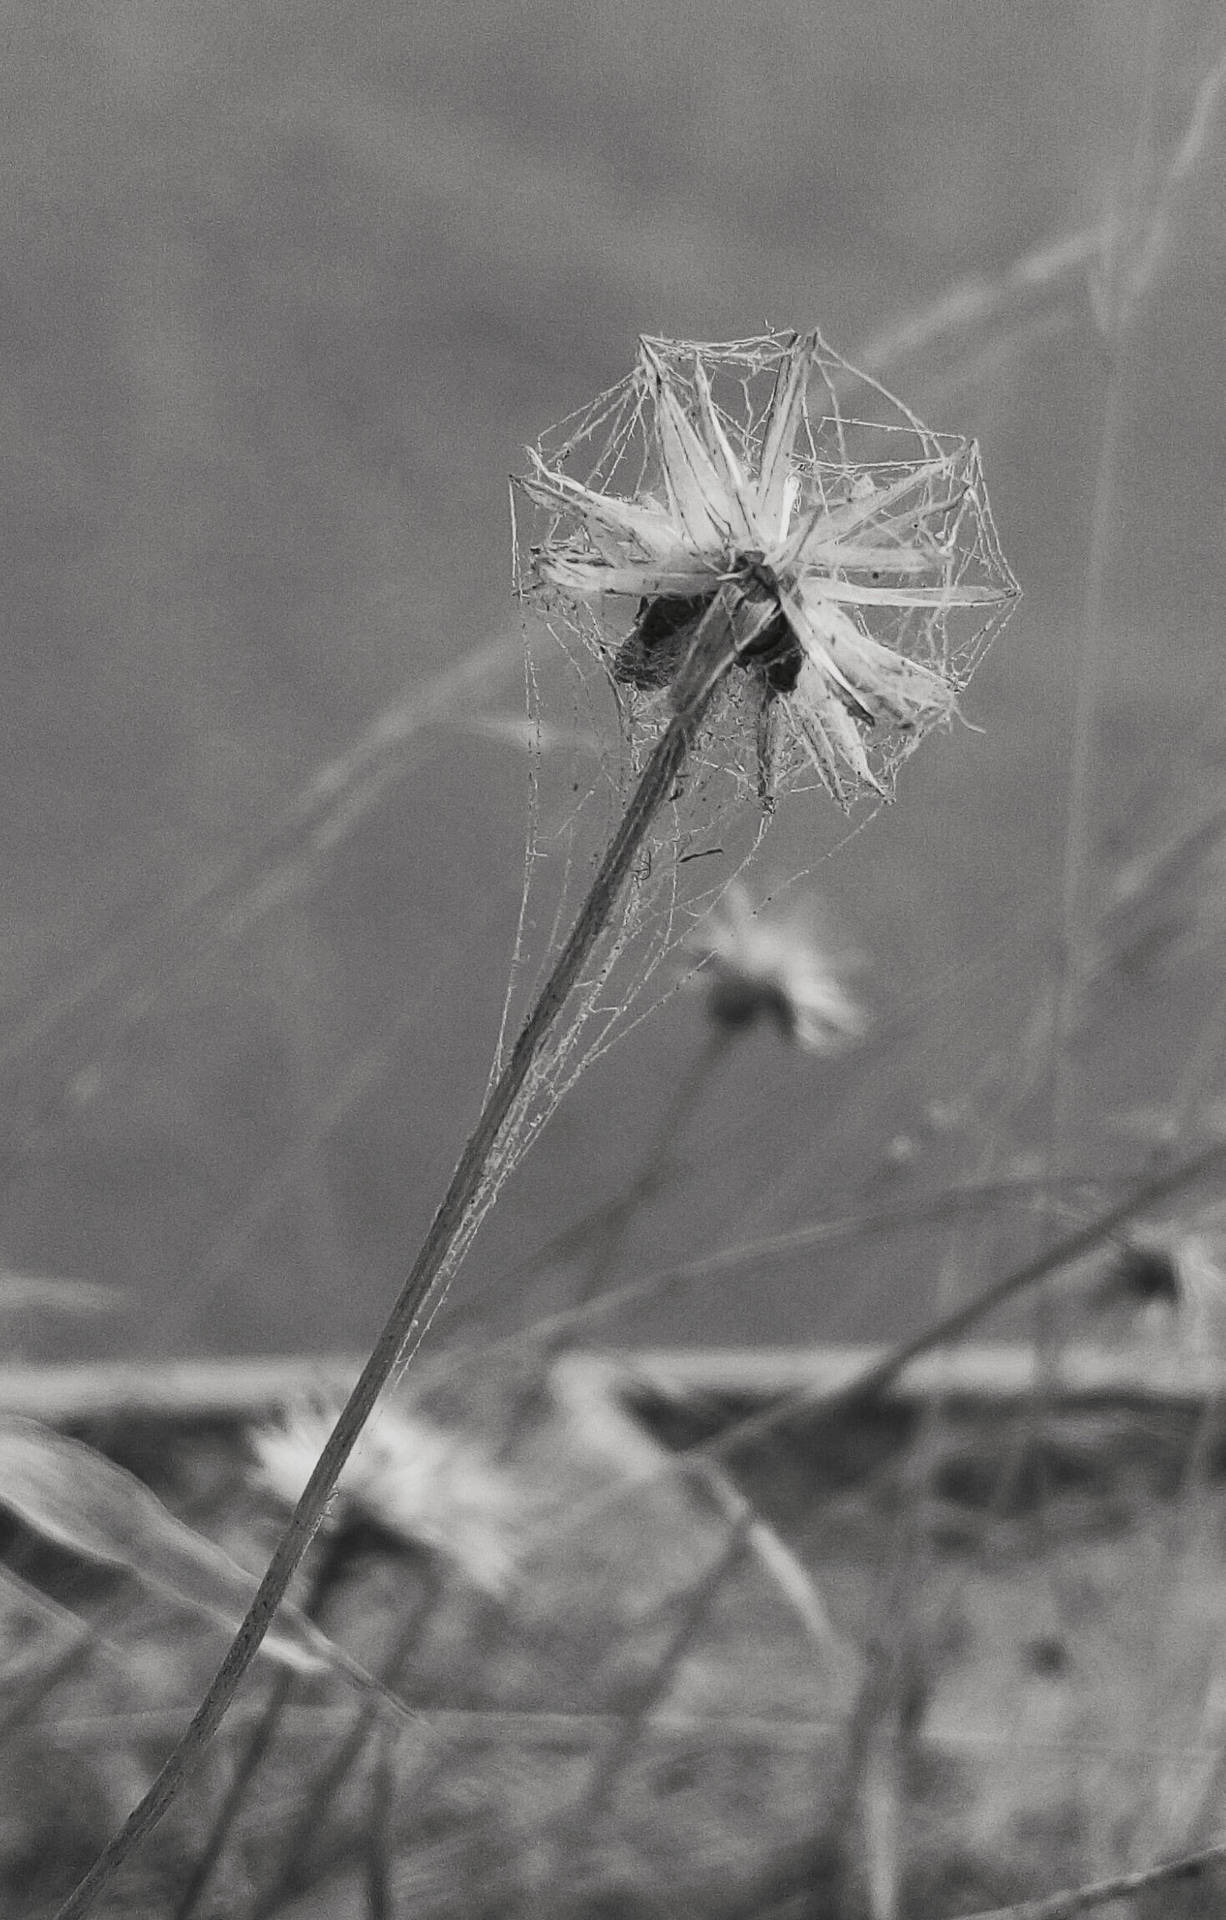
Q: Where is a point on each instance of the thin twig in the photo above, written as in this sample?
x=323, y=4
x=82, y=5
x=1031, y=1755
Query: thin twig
x=1074, y=960
x=273, y=860
x=549, y=1340
x=1100, y=1893
x=380, y=1837
x=883, y=1373
x=63, y=1667
x=251, y=1759
x=972, y=301
x=655, y=1166
x=875, y=1379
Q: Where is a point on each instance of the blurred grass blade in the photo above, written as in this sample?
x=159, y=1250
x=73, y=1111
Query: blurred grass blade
x=18, y=1596
x=71, y=1495
x=19, y=1292
x=70, y=1644
x=122, y=975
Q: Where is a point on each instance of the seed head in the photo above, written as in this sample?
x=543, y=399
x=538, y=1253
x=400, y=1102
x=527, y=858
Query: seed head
x=844, y=571
x=406, y=1478
x=760, y=967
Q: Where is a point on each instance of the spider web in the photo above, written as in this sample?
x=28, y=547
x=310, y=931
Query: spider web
x=858, y=450
x=591, y=732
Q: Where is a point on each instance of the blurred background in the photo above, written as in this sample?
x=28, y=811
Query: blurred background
x=284, y=290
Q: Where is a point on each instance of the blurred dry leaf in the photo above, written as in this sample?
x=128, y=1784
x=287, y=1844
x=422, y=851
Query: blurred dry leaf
x=71, y=1495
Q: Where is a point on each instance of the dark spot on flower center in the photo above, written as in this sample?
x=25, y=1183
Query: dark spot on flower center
x=659, y=641
x=774, y=652
x=1145, y=1276
x=737, y=1001
x=664, y=627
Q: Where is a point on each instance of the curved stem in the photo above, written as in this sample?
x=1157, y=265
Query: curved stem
x=713, y=652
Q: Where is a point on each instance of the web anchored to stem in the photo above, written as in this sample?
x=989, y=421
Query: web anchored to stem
x=860, y=547
x=756, y=554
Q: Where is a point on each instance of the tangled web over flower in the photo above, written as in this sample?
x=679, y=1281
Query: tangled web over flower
x=761, y=490
x=865, y=566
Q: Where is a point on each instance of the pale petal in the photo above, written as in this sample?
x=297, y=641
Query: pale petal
x=851, y=593
x=829, y=733
x=586, y=576
x=819, y=748
x=820, y=534
x=791, y=494
x=813, y=626
x=697, y=495
x=628, y=520
x=732, y=479
x=776, y=488
x=870, y=557
x=886, y=682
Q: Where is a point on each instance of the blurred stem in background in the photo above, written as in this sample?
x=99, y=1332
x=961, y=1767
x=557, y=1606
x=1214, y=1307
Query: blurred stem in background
x=657, y=1167
x=756, y=968
x=580, y=1830
x=609, y=1231
x=301, y=1854
x=329, y=1571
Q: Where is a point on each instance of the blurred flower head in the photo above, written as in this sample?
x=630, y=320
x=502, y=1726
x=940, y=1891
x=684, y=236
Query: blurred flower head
x=1168, y=1285
x=840, y=574
x=759, y=966
x=406, y=1478
x=1140, y=1275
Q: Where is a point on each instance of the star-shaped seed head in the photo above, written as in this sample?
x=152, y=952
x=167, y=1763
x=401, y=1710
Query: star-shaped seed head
x=861, y=558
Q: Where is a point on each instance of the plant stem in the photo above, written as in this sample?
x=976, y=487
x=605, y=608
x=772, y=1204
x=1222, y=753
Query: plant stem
x=1102, y=1893
x=332, y=1565
x=299, y=1853
x=614, y=1222
x=713, y=653
x=647, y=1182
x=581, y=1825
x=380, y=1838
x=875, y=1379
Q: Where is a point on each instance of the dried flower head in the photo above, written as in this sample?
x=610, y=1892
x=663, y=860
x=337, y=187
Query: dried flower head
x=845, y=568
x=406, y=1478
x=760, y=967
